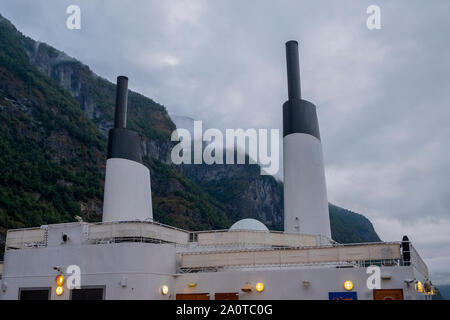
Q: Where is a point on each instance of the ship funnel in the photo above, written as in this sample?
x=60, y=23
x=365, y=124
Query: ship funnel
x=127, y=194
x=305, y=194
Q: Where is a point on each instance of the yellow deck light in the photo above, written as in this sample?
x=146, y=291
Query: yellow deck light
x=259, y=287
x=59, y=280
x=192, y=285
x=348, y=285
x=419, y=286
x=59, y=290
x=164, y=290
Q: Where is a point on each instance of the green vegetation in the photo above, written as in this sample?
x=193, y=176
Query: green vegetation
x=50, y=151
x=182, y=203
x=350, y=227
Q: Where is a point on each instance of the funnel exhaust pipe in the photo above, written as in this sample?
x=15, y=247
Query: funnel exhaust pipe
x=120, y=119
x=293, y=70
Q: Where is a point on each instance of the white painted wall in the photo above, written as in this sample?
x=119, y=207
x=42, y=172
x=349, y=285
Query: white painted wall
x=288, y=284
x=146, y=267
x=127, y=194
x=305, y=193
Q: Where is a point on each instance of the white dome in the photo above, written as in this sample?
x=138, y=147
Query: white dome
x=248, y=224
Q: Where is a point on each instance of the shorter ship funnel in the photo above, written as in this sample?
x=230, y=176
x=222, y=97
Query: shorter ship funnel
x=127, y=194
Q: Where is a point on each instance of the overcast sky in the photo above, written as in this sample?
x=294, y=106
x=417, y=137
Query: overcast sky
x=383, y=96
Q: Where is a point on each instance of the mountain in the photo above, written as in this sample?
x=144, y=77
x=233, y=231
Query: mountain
x=54, y=116
x=241, y=188
x=350, y=227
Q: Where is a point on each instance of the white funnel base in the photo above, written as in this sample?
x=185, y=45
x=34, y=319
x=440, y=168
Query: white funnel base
x=127, y=191
x=305, y=193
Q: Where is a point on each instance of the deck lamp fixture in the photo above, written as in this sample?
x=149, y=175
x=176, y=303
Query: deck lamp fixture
x=348, y=285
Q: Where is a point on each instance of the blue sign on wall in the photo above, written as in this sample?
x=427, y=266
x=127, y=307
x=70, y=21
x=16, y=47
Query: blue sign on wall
x=342, y=296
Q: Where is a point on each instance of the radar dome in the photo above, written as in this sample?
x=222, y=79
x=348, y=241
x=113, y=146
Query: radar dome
x=248, y=224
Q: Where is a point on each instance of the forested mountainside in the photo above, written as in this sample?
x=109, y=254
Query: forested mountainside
x=54, y=117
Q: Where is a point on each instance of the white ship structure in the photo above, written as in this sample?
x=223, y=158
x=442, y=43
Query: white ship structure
x=130, y=256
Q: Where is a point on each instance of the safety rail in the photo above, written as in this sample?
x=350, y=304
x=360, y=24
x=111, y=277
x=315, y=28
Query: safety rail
x=136, y=232
x=26, y=238
x=241, y=237
x=127, y=231
x=151, y=231
x=369, y=253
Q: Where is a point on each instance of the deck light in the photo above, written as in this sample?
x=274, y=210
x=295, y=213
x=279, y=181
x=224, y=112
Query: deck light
x=348, y=285
x=59, y=280
x=164, y=290
x=192, y=285
x=419, y=286
x=431, y=291
x=259, y=287
x=59, y=290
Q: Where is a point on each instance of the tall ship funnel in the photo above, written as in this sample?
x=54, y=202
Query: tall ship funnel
x=305, y=193
x=127, y=182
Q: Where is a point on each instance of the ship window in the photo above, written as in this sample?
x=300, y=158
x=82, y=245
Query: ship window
x=97, y=293
x=34, y=294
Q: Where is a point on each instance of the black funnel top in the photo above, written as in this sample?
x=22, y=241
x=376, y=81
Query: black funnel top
x=299, y=116
x=293, y=70
x=120, y=119
x=123, y=143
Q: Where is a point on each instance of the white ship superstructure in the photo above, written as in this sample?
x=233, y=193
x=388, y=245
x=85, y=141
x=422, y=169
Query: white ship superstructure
x=136, y=260
x=131, y=256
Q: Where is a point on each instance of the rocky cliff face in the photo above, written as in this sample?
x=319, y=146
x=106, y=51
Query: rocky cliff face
x=80, y=81
x=244, y=192
x=52, y=155
x=241, y=188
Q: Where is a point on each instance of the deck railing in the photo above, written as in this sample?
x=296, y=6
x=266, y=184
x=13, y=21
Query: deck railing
x=140, y=231
x=388, y=253
x=26, y=238
x=341, y=255
x=136, y=232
